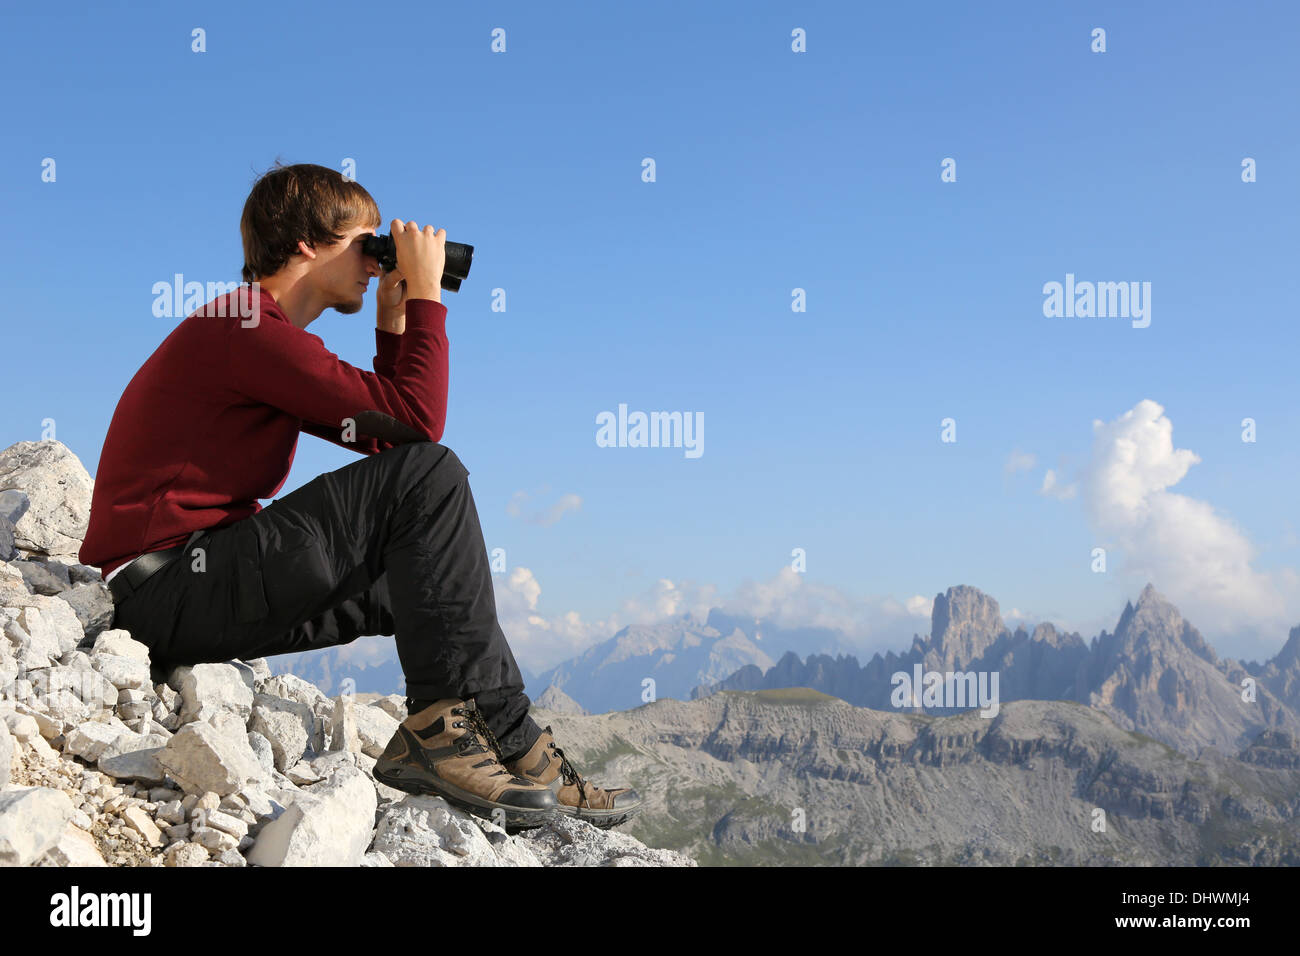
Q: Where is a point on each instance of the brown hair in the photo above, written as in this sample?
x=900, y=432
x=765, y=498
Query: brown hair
x=304, y=201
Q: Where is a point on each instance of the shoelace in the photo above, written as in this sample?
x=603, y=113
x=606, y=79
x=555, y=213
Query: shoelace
x=475, y=745
x=570, y=773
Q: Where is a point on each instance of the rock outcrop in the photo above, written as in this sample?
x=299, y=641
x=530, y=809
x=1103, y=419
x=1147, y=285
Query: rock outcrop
x=222, y=765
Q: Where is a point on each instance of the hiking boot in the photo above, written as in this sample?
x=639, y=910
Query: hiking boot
x=448, y=750
x=545, y=763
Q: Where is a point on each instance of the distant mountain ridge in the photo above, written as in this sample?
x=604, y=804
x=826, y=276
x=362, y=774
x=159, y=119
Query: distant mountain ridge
x=677, y=655
x=1155, y=674
x=793, y=776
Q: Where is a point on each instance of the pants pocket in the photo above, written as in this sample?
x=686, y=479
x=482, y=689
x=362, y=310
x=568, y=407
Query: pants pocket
x=249, y=593
x=295, y=580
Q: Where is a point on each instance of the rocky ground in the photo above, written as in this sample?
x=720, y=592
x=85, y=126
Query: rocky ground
x=222, y=765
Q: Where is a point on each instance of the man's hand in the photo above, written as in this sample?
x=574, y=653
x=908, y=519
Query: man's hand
x=421, y=257
x=390, y=314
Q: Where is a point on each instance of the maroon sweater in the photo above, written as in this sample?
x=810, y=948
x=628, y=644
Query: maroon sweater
x=210, y=422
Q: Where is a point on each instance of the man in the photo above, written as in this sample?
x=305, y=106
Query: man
x=389, y=544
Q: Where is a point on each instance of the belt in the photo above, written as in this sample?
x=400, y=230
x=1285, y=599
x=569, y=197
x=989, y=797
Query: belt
x=132, y=577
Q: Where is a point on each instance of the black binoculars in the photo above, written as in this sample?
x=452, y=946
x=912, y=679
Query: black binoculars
x=459, y=259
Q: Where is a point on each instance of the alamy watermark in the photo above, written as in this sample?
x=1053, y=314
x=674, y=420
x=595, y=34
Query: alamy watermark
x=1103, y=300
x=178, y=299
x=652, y=430
x=950, y=690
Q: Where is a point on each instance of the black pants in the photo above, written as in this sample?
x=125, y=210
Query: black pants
x=389, y=544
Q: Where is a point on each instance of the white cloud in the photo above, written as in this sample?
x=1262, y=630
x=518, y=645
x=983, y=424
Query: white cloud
x=1019, y=461
x=1199, y=559
x=1051, y=489
x=918, y=606
x=787, y=599
x=546, y=516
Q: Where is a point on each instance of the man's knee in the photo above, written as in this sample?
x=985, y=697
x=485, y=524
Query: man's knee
x=438, y=461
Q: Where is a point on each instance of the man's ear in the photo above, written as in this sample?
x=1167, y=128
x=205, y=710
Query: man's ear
x=305, y=249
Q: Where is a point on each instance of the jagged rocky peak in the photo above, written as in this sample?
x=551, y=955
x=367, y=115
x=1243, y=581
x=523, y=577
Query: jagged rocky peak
x=1288, y=658
x=1154, y=620
x=557, y=700
x=963, y=623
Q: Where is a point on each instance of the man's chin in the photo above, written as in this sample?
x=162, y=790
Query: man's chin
x=350, y=307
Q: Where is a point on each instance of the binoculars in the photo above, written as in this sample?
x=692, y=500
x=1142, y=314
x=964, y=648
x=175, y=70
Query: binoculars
x=459, y=259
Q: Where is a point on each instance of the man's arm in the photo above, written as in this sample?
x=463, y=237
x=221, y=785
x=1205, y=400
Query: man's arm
x=291, y=369
x=370, y=434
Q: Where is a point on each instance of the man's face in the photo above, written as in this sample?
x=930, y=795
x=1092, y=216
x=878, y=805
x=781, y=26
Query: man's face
x=342, y=272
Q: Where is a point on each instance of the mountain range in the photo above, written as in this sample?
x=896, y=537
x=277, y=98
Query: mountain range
x=1155, y=674
x=794, y=776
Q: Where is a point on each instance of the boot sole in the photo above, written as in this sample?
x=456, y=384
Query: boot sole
x=600, y=819
x=416, y=782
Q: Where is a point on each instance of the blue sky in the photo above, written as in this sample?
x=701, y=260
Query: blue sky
x=774, y=171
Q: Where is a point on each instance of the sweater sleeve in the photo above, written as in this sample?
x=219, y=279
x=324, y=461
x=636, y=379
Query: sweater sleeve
x=388, y=345
x=364, y=443
x=290, y=369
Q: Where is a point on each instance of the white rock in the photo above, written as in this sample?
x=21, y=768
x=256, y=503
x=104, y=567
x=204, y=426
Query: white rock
x=58, y=490
x=178, y=831
x=170, y=812
x=375, y=858
x=261, y=670
x=213, y=693
x=7, y=750
x=119, y=643
x=134, y=710
x=56, y=618
x=69, y=691
x=167, y=697
x=185, y=854
x=426, y=831
x=123, y=672
x=262, y=806
x=302, y=774
x=394, y=705
x=42, y=750
x=22, y=726
x=90, y=739
x=129, y=741
x=263, y=751
x=200, y=758
x=139, y=765
x=226, y=823
x=50, y=727
x=376, y=729
x=31, y=821
x=292, y=687
x=330, y=825
x=34, y=641
x=343, y=730
x=286, y=724
x=75, y=847
x=7, y=550
x=93, y=606
x=213, y=839
x=567, y=841
x=138, y=820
